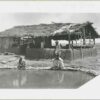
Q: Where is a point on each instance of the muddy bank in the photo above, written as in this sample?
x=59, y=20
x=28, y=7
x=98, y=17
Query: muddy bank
x=89, y=65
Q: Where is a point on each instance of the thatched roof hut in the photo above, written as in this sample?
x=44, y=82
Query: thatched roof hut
x=46, y=32
x=61, y=30
x=40, y=33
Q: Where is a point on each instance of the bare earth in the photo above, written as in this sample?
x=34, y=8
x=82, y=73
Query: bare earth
x=90, y=65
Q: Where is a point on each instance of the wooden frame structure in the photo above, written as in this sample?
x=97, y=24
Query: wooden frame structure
x=74, y=32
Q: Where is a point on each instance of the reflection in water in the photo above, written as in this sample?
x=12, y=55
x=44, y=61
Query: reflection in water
x=42, y=79
x=60, y=76
x=20, y=80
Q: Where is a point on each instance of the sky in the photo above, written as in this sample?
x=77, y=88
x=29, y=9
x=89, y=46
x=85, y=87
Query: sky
x=9, y=20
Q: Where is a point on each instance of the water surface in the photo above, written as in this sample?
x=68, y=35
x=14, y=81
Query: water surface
x=42, y=79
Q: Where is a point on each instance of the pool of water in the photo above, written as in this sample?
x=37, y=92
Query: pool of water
x=42, y=79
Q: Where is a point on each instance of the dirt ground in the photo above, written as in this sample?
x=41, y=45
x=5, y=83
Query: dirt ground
x=90, y=64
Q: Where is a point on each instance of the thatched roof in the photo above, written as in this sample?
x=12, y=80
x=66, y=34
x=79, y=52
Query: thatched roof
x=33, y=30
x=60, y=30
x=76, y=31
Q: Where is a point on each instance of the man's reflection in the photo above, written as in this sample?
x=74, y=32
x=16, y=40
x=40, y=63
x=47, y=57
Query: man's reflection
x=60, y=76
x=21, y=79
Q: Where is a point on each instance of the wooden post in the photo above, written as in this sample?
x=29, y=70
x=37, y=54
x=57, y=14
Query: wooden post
x=94, y=40
x=84, y=42
x=69, y=39
x=72, y=49
x=81, y=51
x=89, y=38
x=76, y=41
x=72, y=43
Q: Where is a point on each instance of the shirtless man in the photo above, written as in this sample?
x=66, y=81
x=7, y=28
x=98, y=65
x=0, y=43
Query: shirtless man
x=58, y=62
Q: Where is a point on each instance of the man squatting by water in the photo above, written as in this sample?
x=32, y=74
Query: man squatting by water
x=57, y=61
x=21, y=63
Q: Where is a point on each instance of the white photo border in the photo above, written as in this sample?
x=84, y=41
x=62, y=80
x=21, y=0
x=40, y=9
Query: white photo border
x=90, y=90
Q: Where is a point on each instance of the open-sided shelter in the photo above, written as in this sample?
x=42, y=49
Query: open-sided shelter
x=76, y=31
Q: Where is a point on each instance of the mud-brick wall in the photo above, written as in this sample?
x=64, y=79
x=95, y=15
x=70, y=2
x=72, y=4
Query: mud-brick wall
x=67, y=54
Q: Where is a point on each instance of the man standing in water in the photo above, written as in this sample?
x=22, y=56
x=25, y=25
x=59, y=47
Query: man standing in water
x=58, y=62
